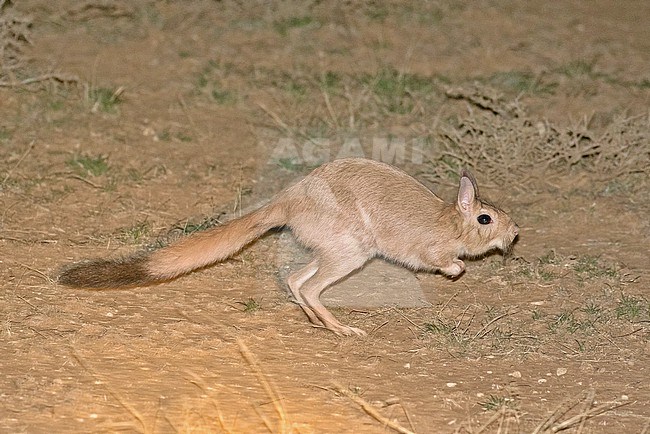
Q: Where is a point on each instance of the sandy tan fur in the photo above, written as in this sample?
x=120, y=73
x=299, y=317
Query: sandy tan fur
x=347, y=212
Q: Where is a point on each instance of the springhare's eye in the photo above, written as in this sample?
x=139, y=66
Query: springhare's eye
x=484, y=219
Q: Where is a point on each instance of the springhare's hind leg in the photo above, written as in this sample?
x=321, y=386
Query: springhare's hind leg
x=295, y=282
x=329, y=271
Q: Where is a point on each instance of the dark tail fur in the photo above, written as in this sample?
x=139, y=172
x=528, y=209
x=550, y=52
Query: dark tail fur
x=196, y=251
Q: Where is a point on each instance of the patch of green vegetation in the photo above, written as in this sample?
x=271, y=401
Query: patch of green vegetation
x=210, y=84
x=221, y=96
x=165, y=135
x=431, y=16
x=377, y=11
x=564, y=321
x=572, y=323
x=330, y=80
x=396, y=90
x=5, y=134
x=291, y=164
x=549, y=258
x=427, y=14
x=136, y=233
x=587, y=68
x=110, y=184
x=105, y=99
x=56, y=105
x=443, y=79
x=134, y=175
x=630, y=307
x=494, y=403
x=590, y=267
x=450, y=332
x=520, y=82
x=183, y=137
x=283, y=26
x=577, y=68
x=593, y=309
x=151, y=15
x=545, y=268
x=189, y=227
x=439, y=327
x=85, y=165
x=296, y=87
x=546, y=275
x=251, y=305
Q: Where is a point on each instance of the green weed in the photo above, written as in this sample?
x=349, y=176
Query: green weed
x=295, y=86
x=251, y=305
x=629, y=307
x=85, y=165
x=330, y=80
x=136, y=233
x=590, y=267
x=546, y=275
x=377, y=12
x=396, y=90
x=290, y=164
x=577, y=68
x=221, y=96
x=183, y=137
x=520, y=82
x=284, y=25
x=105, y=99
x=439, y=327
x=189, y=228
x=165, y=135
x=210, y=83
x=584, y=68
x=593, y=309
x=493, y=402
x=549, y=258
x=565, y=321
x=56, y=105
x=5, y=134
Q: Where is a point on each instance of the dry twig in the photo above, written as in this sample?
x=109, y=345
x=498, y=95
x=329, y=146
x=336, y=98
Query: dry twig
x=368, y=408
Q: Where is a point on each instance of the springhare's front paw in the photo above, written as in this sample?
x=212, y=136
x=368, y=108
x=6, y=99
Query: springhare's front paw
x=455, y=269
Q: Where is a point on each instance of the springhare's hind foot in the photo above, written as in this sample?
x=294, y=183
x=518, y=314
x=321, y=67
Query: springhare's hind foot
x=340, y=330
x=344, y=330
x=351, y=331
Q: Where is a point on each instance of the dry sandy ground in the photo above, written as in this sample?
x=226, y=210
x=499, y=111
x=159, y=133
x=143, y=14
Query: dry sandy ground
x=174, y=118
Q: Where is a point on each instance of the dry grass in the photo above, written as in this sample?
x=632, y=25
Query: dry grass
x=14, y=35
x=473, y=126
x=15, y=32
x=482, y=127
x=497, y=138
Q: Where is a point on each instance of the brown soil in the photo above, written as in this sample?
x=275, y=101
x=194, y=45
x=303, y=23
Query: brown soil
x=198, y=94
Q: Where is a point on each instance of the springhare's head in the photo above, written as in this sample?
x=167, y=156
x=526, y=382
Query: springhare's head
x=485, y=227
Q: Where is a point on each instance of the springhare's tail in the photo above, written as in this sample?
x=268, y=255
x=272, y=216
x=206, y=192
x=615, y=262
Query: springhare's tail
x=196, y=251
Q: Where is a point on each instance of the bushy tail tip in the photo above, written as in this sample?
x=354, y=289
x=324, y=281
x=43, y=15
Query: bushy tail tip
x=104, y=274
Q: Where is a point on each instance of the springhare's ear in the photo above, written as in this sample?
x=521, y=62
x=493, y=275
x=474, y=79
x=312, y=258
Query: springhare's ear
x=467, y=193
x=467, y=174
